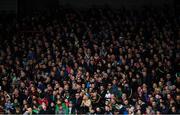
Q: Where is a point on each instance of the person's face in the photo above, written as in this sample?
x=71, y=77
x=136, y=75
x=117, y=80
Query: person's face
x=147, y=59
x=87, y=74
x=151, y=98
x=178, y=79
x=126, y=102
x=114, y=81
x=144, y=74
x=109, y=86
x=148, y=111
x=92, y=62
x=173, y=109
x=60, y=89
x=26, y=92
x=137, y=76
x=139, y=112
x=151, y=62
x=82, y=61
x=154, y=104
x=83, y=85
x=34, y=97
x=52, y=104
x=66, y=100
x=24, y=102
x=126, y=67
x=70, y=104
x=101, y=88
x=78, y=86
x=95, y=93
x=77, y=95
x=120, y=50
x=130, y=73
x=144, y=89
x=4, y=82
x=177, y=98
x=15, y=101
x=49, y=87
x=106, y=108
x=62, y=73
x=113, y=101
x=85, y=97
x=160, y=84
x=33, y=89
x=168, y=96
x=92, y=85
x=124, y=96
x=66, y=87
x=34, y=102
x=154, y=85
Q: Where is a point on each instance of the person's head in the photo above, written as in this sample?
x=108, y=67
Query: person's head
x=109, y=86
x=114, y=82
x=33, y=89
x=34, y=102
x=107, y=108
x=87, y=74
x=78, y=86
x=113, y=101
x=173, y=109
x=29, y=110
x=162, y=105
x=77, y=95
x=52, y=104
x=98, y=110
x=66, y=87
x=168, y=96
x=60, y=90
x=44, y=106
x=24, y=102
x=148, y=110
x=70, y=104
x=83, y=86
x=154, y=85
x=58, y=96
x=154, y=105
x=126, y=102
x=15, y=101
x=66, y=100
x=25, y=106
x=158, y=112
x=177, y=98
x=62, y=73
x=58, y=102
x=124, y=96
x=92, y=85
x=138, y=112
x=85, y=97
x=102, y=88
x=94, y=93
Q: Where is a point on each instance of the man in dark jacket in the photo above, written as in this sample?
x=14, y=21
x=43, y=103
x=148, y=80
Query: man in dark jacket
x=76, y=103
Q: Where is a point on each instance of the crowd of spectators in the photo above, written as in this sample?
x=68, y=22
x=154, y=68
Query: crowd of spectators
x=95, y=61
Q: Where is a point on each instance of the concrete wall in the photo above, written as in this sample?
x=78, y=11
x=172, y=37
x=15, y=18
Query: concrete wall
x=28, y=5
x=8, y=5
x=114, y=3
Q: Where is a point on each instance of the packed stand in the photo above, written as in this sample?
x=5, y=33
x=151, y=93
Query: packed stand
x=99, y=61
